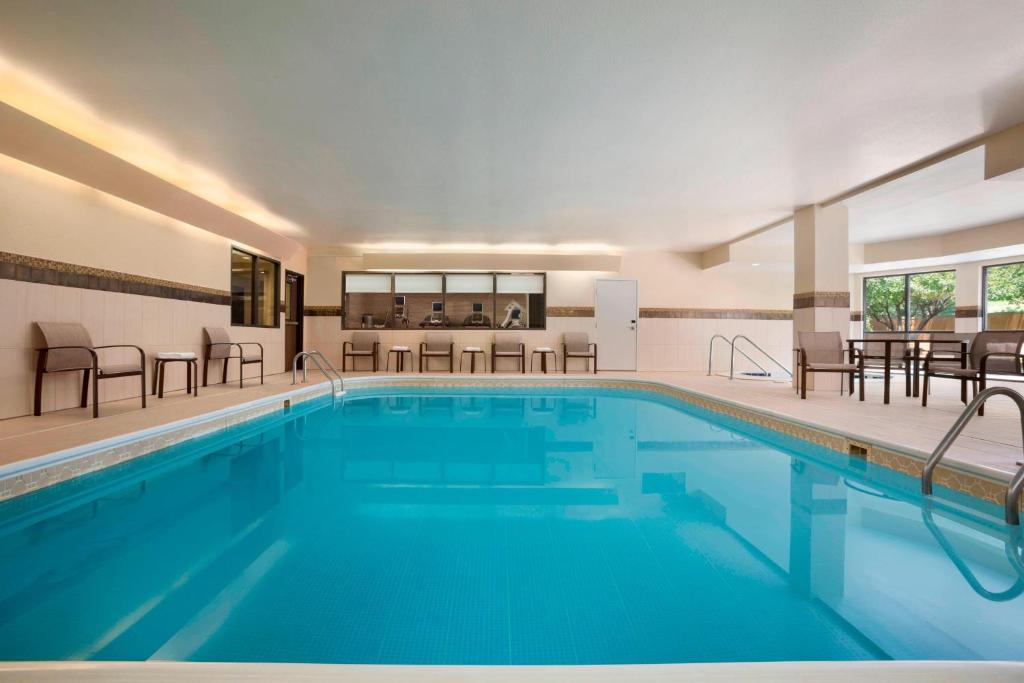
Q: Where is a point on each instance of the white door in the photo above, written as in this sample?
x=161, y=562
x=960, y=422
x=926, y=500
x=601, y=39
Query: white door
x=616, y=310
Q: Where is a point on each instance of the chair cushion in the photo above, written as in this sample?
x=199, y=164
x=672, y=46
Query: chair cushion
x=951, y=369
x=66, y=334
x=176, y=355
x=252, y=355
x=120, y=368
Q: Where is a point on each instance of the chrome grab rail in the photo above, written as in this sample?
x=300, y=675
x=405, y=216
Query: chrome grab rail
x=732, y=356
x=711, y=352
x=1011, y=506
x=317, y=357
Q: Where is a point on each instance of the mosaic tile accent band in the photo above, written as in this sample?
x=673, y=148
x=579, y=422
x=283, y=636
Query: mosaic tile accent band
x=964, y=482
x=968, y=311
x=588, y=312
x=717, y=313
x=47, y=272
x=821, y=300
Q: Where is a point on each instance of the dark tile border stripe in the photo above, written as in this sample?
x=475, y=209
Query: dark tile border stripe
x=570, y=311
x=322, y=311
x=856, y=316
x=968, y=311
x=47, y=272
x=821, y=300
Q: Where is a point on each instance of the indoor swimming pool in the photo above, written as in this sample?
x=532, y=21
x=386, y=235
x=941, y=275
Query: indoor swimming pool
x=504, y=526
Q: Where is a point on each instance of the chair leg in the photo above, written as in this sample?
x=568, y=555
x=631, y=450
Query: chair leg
x=241, y=372
x=963, y=391
x=924, y=392
x=224, y=373
x=85, y=388
x=981, y=408
x=906, y=373
x=803, y=381
x=451, y=362
x=206, y=368
x=37, y=408
x=595, y=360
x=188, y=377
x=261, y=371
x=158, y=379
x=156, y=374
x=96, y=394
x=142, y=383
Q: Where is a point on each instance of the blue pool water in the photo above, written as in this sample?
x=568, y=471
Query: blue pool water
x=570, y=526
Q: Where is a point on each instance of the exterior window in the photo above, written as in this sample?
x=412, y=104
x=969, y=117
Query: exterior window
x=1004, y=297
x=912, y=302
x=254, y=289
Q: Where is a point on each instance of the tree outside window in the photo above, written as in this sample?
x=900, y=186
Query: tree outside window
x=918, y=301
x=1004, y=297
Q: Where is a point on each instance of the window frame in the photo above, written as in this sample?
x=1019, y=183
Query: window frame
x=984, y=292
x=906, y=298
x=255, y=300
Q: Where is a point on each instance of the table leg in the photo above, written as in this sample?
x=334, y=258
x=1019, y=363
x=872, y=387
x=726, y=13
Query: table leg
x=472, y=363
x=188, y=377
x=917, y=368
x=544, y=363
x=888, y=370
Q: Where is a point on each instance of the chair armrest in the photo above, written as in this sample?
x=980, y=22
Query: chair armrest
x=95, y=358
x=1000, y=354
x=345, y=346
x=142, y=354
x=423, y=347
x=241, y=344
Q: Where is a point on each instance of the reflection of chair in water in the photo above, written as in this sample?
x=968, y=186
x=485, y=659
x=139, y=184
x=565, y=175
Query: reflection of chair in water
x=472, y=405
x=1011, y=546
x=398, y=405
x=543, y=405
x=508, y=405
x=437, y=405
x=577, y=409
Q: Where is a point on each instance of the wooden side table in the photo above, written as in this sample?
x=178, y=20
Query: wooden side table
x=473, y=351
x=399, y=352
x=191, y=372
x=544, y=351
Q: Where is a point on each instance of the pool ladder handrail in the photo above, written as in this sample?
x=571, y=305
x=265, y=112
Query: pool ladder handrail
x=732, y=357
x=1011, y=505
x=317, y=357
x=734, y=350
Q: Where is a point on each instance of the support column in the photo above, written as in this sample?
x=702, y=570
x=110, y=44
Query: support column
x=968, y=298
x=821, y=279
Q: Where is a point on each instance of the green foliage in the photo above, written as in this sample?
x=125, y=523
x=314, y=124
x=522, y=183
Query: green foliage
x=1005, y=285
x=884, y=303
x=929, y=295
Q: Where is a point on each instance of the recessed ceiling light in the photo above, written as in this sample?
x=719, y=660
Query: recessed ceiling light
x=755, y=264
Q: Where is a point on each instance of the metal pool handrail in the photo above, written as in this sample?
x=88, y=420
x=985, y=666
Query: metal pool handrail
x=1013, y=490
x=732, y=356
x=711, y=351
x=317, y=357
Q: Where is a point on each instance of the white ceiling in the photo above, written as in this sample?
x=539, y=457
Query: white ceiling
x=637, y=124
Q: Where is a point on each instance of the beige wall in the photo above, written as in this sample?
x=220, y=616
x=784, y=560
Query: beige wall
x=45, y=216
x=665, y=280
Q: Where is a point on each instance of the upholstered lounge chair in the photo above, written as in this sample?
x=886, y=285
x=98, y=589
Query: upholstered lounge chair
x=578, y=345
x=67, y=347
x=991, y=352
x=363, y=345
x=218, y=347
x=438, y=345
x=824, y=352
x=508, y=345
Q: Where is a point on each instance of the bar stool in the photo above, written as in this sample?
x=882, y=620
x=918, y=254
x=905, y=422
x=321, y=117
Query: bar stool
x=191, y=371
x=543, y=351
x=399, y=352
x=472, y=351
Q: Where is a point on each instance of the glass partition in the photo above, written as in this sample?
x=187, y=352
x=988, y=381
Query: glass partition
x=421, y=297
x=1004, y=297
x=470, y=300
x=366, y=300
x=520, y=301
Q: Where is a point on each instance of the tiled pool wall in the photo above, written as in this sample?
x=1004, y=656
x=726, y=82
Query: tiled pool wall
x=20, y=478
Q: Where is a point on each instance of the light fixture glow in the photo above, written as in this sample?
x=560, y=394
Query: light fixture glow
x=484, y=248
x=40, y=98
